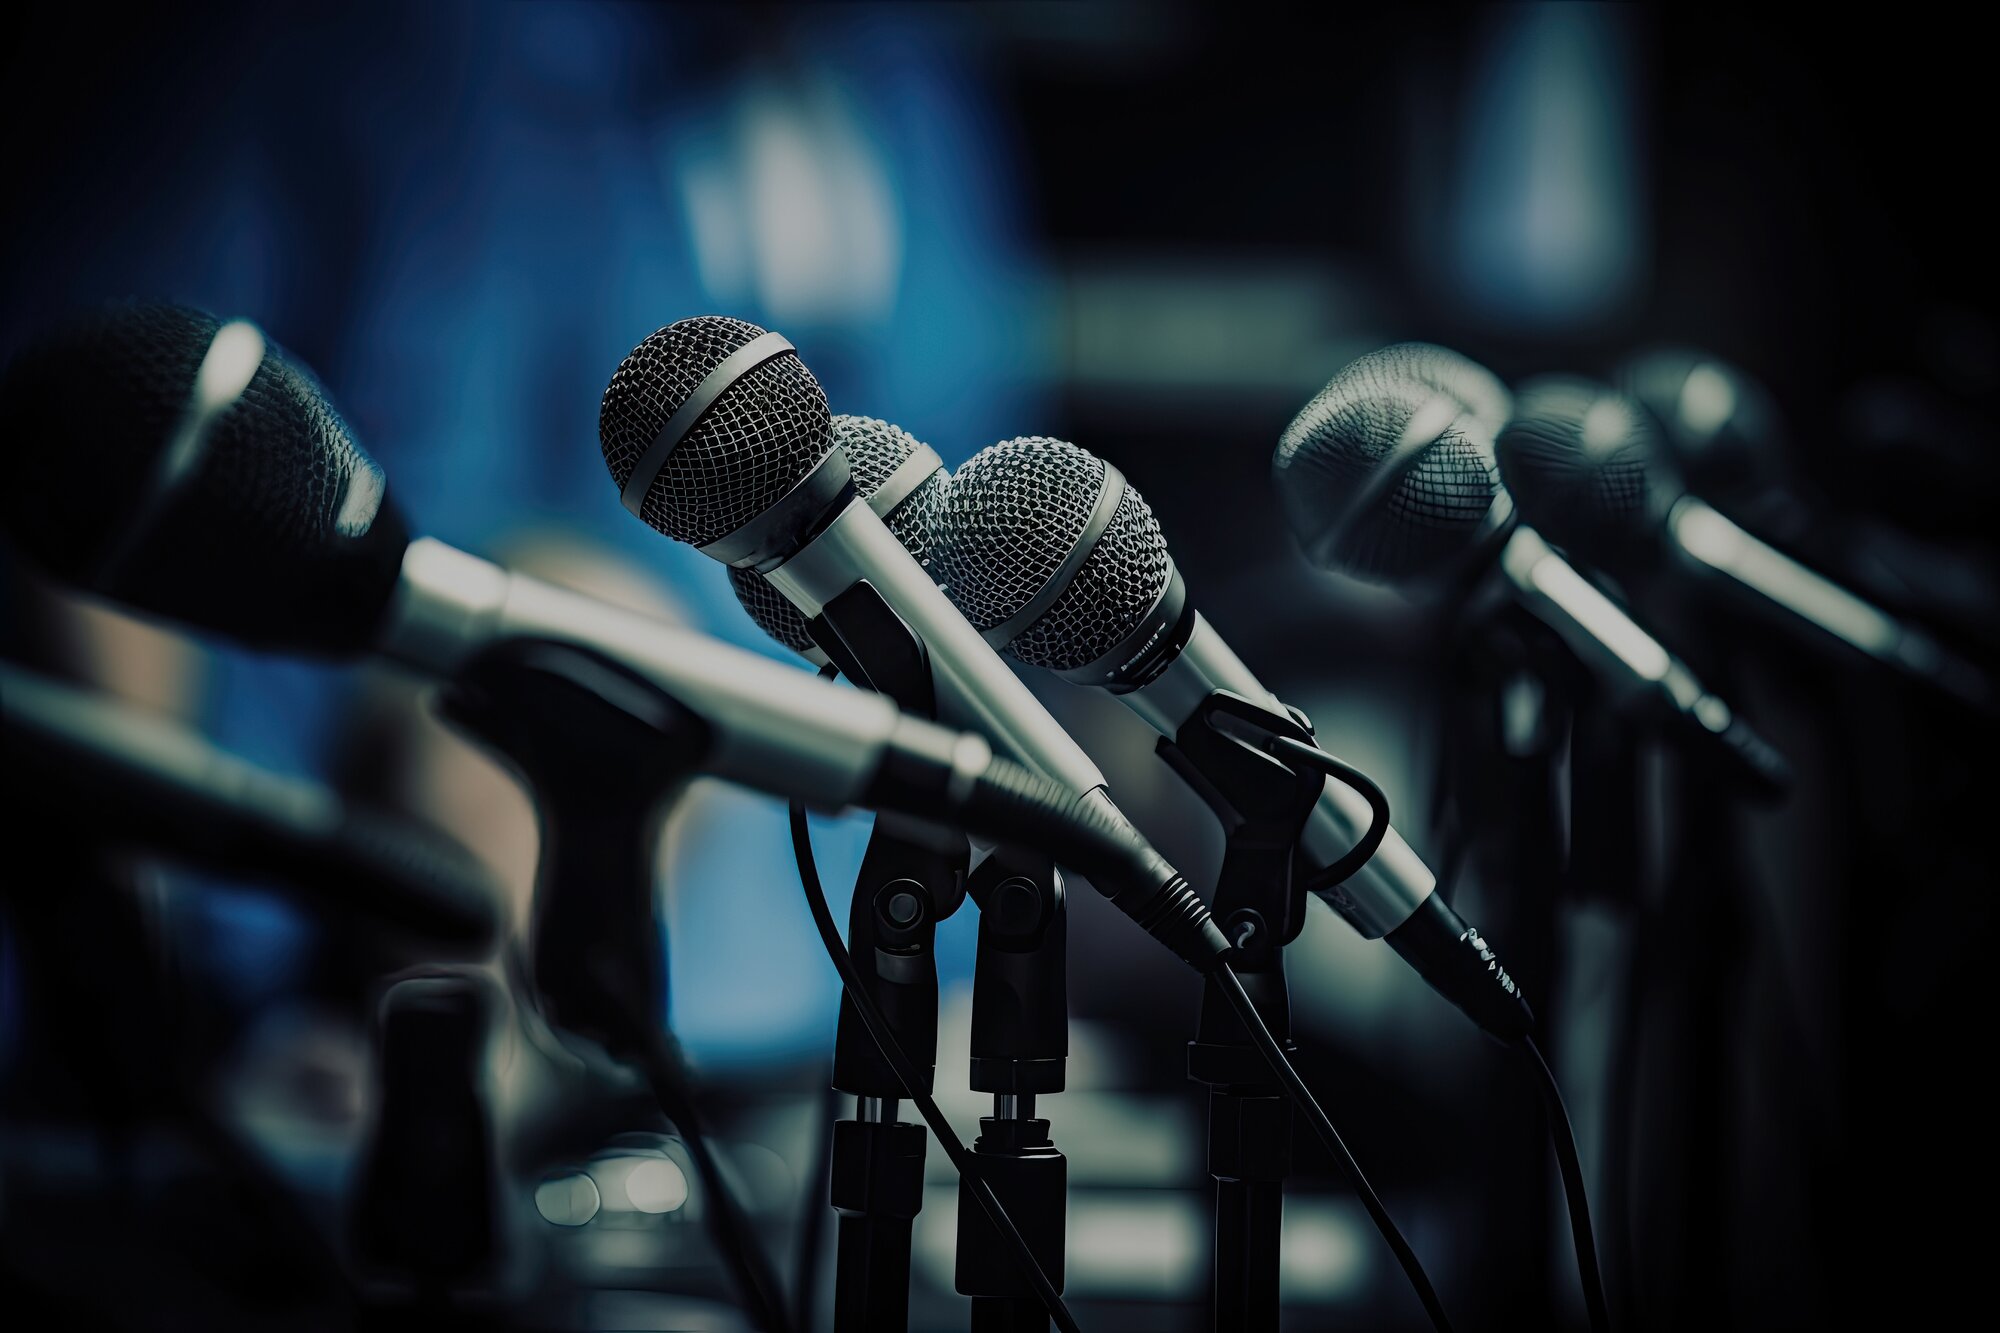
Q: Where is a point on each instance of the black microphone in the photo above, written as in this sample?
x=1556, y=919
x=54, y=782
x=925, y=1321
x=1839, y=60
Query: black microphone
x=1388, y=474
x=186, y=469
x=1586, y=464
x=719, y=436
x=129, y=779
x=903, y=481
x=1060, y=562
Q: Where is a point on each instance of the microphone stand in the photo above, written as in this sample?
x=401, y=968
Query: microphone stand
x=1020, y=1045
x=911, y=878
x=1019, y=1039
x=906, y=884
x=601, y=748
x=1260, y=903
x=1508, y=709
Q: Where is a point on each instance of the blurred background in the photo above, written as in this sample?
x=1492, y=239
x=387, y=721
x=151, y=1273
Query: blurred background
x=1154, y=229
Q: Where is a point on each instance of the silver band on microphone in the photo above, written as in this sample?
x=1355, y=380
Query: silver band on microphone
x=1108, y=496
x=732, y=368
x=909, y=474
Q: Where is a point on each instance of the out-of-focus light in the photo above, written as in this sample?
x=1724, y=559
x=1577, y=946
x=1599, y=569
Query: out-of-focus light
x=656, y=1185
x=1323, y=1255
x=568, y=1201
x=1607, y=423
x=791, y=208
x=232, y=359
x=1707, y=401
x=1547, y=219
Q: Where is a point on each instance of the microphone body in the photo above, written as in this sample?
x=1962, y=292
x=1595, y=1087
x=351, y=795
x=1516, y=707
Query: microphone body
x=975, y=689
x=143, y=780
x=1588, y=465
x=1184, y=661
x=770, y=726
x=1712, y=543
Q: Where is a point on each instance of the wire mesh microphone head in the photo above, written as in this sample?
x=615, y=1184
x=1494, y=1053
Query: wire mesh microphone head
x=270, y=525
x=1725, y=433
x=1012, y=514
x=758, y=440
x=1577, y=459
x=768, y=607
x=874, y=449
x=1479, y=389
x=1386, y=474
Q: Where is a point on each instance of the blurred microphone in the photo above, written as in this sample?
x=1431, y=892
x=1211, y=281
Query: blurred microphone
x=225, y=492
x=903, y=481
x=1388, y=475
x=719, y=436
x=1722, y=430
x=141, y=781
x=1586, y=464
x=1060, y=563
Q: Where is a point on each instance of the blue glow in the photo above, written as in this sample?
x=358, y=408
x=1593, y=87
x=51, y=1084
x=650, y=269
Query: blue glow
x=463, y=217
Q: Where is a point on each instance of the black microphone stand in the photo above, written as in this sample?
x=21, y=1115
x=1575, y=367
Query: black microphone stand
x=911, y=878
x=1019, y=1039
x=906, y=885
x=1509, y=689
x=1260, y=901
x=1020, y=1045
x=601, y=748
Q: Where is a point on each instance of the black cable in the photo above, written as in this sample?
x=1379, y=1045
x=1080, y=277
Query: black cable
x=1564, y=1139
x=733, y=1234
x=1308, y=1105
x=913, y=1083
x=1349, y=776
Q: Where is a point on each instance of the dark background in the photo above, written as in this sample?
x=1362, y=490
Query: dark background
x=1154, y=230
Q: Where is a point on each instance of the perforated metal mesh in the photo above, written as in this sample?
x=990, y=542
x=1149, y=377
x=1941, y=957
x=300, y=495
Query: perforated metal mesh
x=1576, y=459
x=1014, y=513
x=874, y=449
x=1353, y=427
x=764, y=434
x=769, y=609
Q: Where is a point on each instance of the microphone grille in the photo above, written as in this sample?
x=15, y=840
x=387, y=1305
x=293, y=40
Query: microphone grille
x=767, y=606
x=1013, y=514
x=755, y=442
x=277, y=532
x=1362, y=422
x=1576, y=458
x=874, y=449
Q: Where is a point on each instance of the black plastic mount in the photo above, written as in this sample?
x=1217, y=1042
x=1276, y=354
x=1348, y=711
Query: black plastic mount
x=1259, y=900
x=600, y=747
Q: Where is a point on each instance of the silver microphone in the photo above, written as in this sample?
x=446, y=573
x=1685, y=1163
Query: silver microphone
x=1587, y=465
x=717, y=435
x=1390, y=474
x=1059, y=561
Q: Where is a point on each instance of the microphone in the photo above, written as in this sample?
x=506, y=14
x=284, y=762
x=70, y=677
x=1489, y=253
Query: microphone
x=903, y=481
x=132, y=779
x=1586, y=463
x=1389, y=474
x=719, y=436
x=229, y=495
x=1722, y=430
x=1061, y=564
